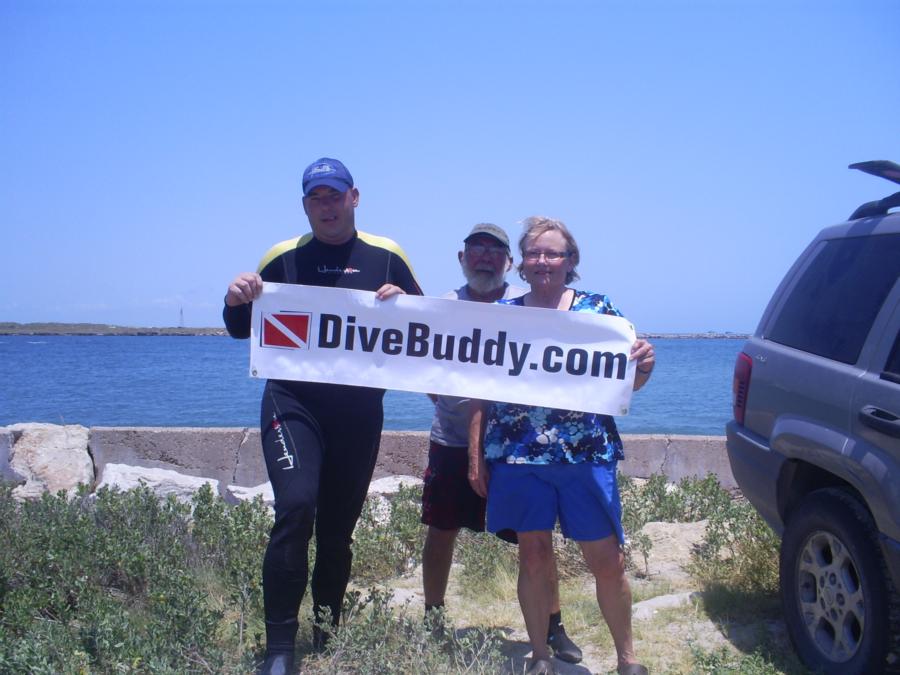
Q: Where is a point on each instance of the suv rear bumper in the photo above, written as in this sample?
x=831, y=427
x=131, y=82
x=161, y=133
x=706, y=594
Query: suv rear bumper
x=756, y=468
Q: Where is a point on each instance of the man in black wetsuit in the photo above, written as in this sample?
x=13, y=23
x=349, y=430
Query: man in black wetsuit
x=320, y=441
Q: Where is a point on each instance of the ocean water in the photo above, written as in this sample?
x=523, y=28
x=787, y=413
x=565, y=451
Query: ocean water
x=203, y=381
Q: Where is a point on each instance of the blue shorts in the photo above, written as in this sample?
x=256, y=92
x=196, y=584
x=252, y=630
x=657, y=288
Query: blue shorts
x=528, y=497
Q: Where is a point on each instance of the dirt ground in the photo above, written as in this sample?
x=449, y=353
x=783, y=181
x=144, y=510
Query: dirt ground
x=668, y=615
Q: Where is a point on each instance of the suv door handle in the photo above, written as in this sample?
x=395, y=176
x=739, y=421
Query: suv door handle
x=880, y=420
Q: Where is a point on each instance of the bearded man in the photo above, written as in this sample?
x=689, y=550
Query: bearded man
x=448, y=501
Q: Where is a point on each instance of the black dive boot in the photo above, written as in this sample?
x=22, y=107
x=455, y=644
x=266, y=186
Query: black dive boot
x=561, y=644
x=278, y=663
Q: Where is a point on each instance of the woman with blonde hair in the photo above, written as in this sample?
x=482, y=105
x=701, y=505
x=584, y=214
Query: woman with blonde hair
x=537, y=466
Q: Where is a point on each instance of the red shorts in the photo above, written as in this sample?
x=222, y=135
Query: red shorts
x=448, y=501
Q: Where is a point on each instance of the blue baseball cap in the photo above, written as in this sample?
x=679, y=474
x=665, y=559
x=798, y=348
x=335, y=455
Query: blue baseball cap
x=328, y=172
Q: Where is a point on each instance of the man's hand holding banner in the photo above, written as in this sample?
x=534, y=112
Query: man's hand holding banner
x=533, y=356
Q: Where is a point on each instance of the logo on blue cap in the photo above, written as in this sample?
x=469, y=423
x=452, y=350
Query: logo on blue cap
x=328, y=172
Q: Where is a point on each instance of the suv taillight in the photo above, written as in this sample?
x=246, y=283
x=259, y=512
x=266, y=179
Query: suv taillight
x=741, y=386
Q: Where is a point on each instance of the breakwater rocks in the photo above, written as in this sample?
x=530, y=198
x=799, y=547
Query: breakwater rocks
x=178, y=460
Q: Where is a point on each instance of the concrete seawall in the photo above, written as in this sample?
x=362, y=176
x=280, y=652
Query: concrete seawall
x=233, y=456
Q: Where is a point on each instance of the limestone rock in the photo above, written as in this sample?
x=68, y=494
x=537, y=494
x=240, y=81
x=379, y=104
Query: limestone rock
x=239, y=493
x=50, y=457
x=380, y=507
x=391, y=484
x=382, y=490
x=641, y=611
x=6, y=471
x=202, y=452
x=163, y=482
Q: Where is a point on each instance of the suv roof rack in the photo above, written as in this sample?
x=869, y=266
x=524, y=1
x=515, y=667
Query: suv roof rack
x=883, y=169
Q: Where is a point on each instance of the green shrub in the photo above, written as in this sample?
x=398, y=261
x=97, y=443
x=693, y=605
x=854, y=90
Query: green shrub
x=232, y=541
x=111, y=583
x=569, y=558
x=723, y=662
x=122, y=582
x=764, y=660
x=388, y=537
x=658, y=500
x=380, y=639
x=484, y=559
x=739, y=551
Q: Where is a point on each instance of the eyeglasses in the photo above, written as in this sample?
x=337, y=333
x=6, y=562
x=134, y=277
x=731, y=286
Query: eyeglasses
x=481, y=249
x=549, y=256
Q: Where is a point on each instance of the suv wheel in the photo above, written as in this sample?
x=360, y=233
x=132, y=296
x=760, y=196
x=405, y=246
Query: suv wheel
x=834, y=589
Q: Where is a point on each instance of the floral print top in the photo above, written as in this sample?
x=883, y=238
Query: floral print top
x=520, y=434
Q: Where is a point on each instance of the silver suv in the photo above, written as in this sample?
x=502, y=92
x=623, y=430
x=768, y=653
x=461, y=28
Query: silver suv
x=815, y=440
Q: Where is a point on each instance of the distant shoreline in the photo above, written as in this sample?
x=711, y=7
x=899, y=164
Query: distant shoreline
x=709, y=335
x=9, y=328
x=50, y=328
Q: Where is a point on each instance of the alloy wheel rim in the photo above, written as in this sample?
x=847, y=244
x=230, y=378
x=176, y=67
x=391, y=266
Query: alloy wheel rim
x=830, y=596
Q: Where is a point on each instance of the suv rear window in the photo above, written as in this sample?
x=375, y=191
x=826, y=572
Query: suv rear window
x=831, y=308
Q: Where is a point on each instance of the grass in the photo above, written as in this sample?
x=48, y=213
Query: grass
x=125, y=583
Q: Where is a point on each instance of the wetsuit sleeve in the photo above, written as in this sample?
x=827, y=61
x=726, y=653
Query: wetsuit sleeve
x=401, y=275
x=237, y=320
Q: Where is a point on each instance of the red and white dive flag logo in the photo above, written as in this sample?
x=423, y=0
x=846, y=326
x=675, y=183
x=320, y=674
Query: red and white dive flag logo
x=289, y=330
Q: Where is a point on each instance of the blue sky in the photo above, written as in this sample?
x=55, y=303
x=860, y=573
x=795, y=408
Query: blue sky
x=149, y=151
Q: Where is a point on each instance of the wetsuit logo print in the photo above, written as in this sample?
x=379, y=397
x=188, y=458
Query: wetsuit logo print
x=286, y=455
x=289, y=330
x=325, y=269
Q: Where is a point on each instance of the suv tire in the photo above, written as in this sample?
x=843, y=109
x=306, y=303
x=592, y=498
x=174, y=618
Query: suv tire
x=835, y=592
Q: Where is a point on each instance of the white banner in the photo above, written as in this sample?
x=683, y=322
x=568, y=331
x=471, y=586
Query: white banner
x=569, y=360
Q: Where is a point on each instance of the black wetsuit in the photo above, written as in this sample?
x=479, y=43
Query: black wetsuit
x=320, y=441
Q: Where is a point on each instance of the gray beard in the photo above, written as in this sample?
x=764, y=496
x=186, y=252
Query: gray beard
x=483, y=282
